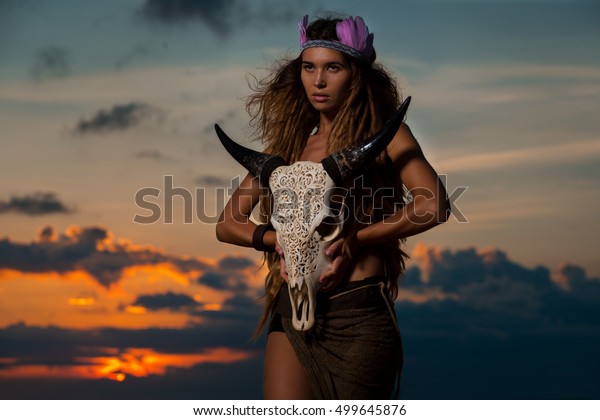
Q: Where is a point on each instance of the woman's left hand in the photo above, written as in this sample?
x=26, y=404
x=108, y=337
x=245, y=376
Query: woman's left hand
x=334, y=275
x=282, y=267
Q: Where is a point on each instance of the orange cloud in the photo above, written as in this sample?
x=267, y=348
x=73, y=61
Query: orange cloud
x=426, y=256
x=81, y=301
x=138, y=362
x=87, y=278
x=95, y=251
x=74, y=300
x=157, y=272
x=132, y=309
x=420, y=297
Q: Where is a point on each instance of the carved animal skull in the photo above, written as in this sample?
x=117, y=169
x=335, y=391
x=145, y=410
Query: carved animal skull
x=304, y=217
x=306, y=223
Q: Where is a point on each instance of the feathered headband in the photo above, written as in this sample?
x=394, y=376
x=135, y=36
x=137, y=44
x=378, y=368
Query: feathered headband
x=354, y=38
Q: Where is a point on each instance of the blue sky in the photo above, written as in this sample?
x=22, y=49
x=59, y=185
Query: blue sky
x=99, y=100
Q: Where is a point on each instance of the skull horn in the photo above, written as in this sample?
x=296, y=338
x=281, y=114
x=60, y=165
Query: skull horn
x=257, y=163
x=346, y=164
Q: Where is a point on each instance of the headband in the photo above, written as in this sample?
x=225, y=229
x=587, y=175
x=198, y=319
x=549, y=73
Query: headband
x=354, y=38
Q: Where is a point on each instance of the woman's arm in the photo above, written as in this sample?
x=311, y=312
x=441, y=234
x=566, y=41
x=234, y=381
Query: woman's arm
x=235, y=226
x=430, y=205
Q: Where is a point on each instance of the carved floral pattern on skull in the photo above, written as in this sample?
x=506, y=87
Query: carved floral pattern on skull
x=306, y=223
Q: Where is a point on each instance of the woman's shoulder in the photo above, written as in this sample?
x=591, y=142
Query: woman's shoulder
x=403, y=142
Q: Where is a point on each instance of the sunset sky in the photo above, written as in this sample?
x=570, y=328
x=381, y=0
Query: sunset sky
x=108, y=104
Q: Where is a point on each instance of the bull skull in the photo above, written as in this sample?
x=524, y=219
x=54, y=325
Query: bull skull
x=303, y=215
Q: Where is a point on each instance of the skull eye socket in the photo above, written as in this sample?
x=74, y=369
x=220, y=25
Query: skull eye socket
x=329, y=228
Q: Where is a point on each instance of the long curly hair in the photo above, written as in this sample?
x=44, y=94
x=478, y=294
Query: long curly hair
x=283, y=118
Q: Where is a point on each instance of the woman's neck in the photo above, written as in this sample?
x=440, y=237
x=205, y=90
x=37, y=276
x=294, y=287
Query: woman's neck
x=325, y=123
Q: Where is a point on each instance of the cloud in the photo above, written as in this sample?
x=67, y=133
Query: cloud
x=119, y=117
x=207, y=381
x=450, y=270
x=50, y=62
x=573, y=151
x=36, y=204
x=97, y=280
x=230, y=274
x=482, y=319
x=91, y=249
x=488, y=281
x=215, y=14
x=214, y=280
x=240, y=304
x=510, y=109
x=476, y=85
x=236, y=263
x=118, y=355
x=478, y=319
x=209, y=93
x=221, y=17
x=169, y=300
x=576, y=282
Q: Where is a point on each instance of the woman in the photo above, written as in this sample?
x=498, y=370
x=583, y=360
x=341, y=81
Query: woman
x=333, y=96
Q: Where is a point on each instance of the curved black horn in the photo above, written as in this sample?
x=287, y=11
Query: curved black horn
x=347, y=163
x=257, y=163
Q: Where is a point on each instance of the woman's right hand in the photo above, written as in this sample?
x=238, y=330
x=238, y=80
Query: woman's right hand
x=282, y=268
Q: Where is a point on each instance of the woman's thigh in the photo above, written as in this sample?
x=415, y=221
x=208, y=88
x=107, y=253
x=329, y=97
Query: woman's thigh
x=284, y=376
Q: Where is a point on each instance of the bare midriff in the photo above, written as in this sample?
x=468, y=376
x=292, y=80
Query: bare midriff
x=366, y=264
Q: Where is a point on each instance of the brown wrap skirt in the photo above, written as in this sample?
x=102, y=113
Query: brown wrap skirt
x=354, y=350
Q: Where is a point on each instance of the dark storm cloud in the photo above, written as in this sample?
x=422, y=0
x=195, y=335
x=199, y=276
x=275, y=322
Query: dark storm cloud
x=243, y=305
x=222, y=16
x=34, y=343
x=499, y=321
x=119, y=117
x=50, y=62
x=488, y=280
x=228, y=276
x=236, y=263
x=63, y=348
x=411, y=278
x=450, y=270
x=576, y=281
x=214, y=280
x=492, y=355
x=216, y=14
x=31, y=344
x=90, y=249
x=36, y=204
x=209, y=381
x=509, y=332
x=218, y=280
x=238, y=310
x=169, y=300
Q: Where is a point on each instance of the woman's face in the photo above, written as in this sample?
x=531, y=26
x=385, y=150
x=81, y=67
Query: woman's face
x=326, y=77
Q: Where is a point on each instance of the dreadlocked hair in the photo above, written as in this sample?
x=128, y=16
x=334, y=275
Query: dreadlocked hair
x=283, y=119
